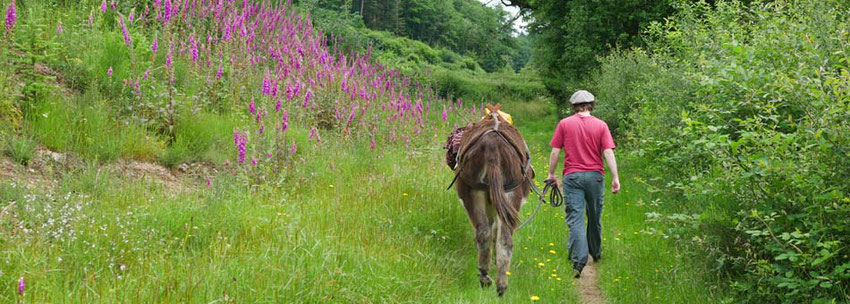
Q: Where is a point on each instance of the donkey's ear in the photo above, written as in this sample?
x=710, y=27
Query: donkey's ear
x=491, y=108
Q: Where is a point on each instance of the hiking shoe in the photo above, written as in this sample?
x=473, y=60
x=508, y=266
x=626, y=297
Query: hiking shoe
x=578, y=269
x=597, y=258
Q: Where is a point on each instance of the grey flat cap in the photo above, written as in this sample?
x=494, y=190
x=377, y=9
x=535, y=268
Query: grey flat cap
x=582, y=96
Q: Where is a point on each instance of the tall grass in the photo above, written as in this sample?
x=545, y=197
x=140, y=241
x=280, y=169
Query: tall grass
x=20, y=149
x=200, y=138
x=86, y=126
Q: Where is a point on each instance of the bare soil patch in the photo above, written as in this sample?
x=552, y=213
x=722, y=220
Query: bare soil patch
x=588, y=287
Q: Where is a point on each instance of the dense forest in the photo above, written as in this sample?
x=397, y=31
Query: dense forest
x=467, y=27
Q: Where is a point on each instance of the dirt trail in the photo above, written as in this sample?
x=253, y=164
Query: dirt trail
x=587, y=287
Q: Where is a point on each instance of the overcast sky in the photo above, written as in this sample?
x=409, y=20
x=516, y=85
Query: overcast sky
x=519, y=25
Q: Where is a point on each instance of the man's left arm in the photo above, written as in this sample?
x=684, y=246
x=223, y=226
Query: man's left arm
x=608, y=151
x=612, y=166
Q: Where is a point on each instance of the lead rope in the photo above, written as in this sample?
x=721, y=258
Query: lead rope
x=555, y=197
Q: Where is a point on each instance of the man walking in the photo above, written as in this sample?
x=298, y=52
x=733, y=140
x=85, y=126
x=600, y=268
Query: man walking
x=584, y=139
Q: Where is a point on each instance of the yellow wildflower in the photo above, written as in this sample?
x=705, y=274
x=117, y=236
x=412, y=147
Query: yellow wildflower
x=507, y=272
x=330, y=186
x=551, y=244
x=541, y=264
x=535, y=298
x=552, y=251
x=404, y=194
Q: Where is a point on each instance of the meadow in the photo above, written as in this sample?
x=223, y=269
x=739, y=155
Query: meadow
x=232, y=151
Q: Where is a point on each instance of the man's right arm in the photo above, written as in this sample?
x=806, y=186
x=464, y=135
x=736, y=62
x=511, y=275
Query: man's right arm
x=554, y=156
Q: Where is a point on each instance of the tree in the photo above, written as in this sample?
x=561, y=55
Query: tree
x=571, y=34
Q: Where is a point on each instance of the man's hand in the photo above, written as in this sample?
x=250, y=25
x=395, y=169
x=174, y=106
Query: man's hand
x=554, y=178
x=615, y=185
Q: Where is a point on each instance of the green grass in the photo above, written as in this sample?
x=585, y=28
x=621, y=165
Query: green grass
x=345, y=227
x=639, y=264
x=20, y=149
x=86, y=125
x=199, y=137
x=362, y=240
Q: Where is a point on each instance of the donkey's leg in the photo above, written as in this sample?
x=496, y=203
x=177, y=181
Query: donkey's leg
x=475, y=202
x=504, y=250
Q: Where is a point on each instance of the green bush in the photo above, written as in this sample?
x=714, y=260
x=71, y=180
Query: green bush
x=487, y=87
x=745, y=109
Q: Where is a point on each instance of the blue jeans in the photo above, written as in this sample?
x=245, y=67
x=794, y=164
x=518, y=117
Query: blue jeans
x=584, y=191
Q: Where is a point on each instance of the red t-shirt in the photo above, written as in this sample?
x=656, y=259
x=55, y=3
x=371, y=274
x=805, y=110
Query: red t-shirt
x=583, y=138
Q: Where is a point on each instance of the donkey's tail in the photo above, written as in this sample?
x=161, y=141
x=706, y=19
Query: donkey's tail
x=506, y=211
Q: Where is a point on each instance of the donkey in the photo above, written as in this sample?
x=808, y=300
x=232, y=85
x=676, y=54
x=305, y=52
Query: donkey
x=492, y=179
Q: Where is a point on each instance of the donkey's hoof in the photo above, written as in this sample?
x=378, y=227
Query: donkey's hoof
x=485, y=281
x=501, y=290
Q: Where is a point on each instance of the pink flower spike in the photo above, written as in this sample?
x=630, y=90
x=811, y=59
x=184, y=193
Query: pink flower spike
x=445, y=114
x=127, y=40
x=155, y=44
x=294, y=148
x=168, y=60
x=103, y=6
x=252, y=107
x=109, y=72
x=22, y=285
x=307, y=98
x=11, y=16
x=59, y=29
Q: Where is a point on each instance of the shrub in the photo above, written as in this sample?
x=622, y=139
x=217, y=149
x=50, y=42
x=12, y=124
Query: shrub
x=745, y=107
